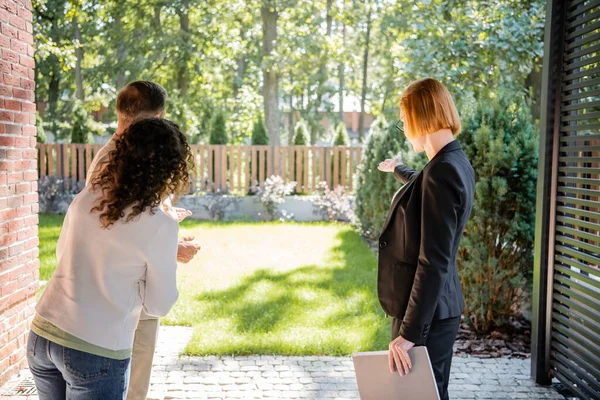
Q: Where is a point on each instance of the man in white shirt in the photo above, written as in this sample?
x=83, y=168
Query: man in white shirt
x=139, y=100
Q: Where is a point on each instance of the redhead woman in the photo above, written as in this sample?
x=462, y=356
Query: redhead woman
x=418, y=282
x=116, y=256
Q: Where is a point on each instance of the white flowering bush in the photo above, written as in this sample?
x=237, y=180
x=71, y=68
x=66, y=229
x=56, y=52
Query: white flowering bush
x=334, y=205
x=273, y=193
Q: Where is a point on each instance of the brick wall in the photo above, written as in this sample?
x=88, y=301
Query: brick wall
x=18, y=185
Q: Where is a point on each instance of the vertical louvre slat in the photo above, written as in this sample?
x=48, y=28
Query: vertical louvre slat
x=336, y=166
x=313, y=161
x=305, y=167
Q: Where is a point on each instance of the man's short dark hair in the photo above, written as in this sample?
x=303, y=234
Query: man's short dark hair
x=141, y=98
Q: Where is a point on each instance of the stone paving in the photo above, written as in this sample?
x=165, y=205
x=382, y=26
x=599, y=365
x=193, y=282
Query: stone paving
x=277, y=377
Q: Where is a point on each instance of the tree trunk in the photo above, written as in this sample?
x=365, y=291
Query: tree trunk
x=291, y=116
x=184, y=31
x=341, y=72
x=238, y=79
x=121, y=49
x=363, y=97
x=157, y=22
x=270, y=80
x=53, y=87
x=78, y=58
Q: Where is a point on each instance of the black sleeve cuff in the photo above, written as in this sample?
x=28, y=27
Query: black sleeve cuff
x=403, y=173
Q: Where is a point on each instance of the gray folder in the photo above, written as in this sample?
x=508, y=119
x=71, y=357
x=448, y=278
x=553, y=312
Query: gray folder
x=376, y=382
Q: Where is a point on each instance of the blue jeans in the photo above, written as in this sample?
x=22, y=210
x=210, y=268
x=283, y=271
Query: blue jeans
x=61, y=373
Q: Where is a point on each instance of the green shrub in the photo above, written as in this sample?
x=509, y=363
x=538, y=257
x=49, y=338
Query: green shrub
x=81, y=127
x=341, y=136
x=375, y=189
x=40, y=134
x=496, y=253
x=301, y=134
x=259, y=133
x=218, y=133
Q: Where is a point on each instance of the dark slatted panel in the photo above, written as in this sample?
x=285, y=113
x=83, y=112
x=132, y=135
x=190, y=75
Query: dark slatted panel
x=575, y=344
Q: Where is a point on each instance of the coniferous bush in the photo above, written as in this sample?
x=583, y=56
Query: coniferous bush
x=81, y=127
x=496, y=253
x=259, y=133
x=341, y=136
x=375, y=189
x=218, y=133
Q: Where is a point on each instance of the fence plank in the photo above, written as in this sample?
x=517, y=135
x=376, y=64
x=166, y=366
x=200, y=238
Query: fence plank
x=305, y=169
x=343, y=165
x=336, y=167
x=328, y=166
x=322, y=164
x=80, y=163
x=73, y=175
x=88, y=157
x=277, y=161
x=269, y=162
x=313, y=152
x=43, y=165
x=223, y=169
x=351, y=168
x=298, y=170
x=51, y=170
x=261, y=166
x=210, y=187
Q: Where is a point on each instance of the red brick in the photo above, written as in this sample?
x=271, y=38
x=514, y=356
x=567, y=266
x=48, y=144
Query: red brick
x=31, y=198
x=26, y=37
x=30, y=176
x=27, y=61
x=9, y=31
x=25, y=14
x=32, y=220
x=5, y=67
x=20, y=70
x=14, y=177
x=29, y=27
x=23, y=235
x=7, y=116
x=27, y=84
x=30, y=153
x=17, y=356
x=4, y=40
x=23, y=94
x=31, y=72
x=13, y=154
x=10, y=56
x=15, y=249
x=8, y=289
x=15, y=45
x=7, y=350
x=7, y=141
x=9, y=6
x=29, y=131
x=24, y=211
x=25, y=165
x=5, y=90
x=12, y=129
x=6, y=215
x=8, y=264
x=11, y=80
x=28, y=107
x=22, y=142
x=12, y=104
x=22, y=188
x=22, y=118
x=18, y=22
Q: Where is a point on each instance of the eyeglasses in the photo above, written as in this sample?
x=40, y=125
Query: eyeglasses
x=399, y=125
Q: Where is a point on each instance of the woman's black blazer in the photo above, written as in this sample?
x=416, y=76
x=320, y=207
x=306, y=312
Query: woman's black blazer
x=418, y=278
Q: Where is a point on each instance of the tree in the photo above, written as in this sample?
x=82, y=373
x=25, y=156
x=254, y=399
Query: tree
x=81, y=128
x=259, y=134
x=218, y=133
x=363, y=96
x=375, y=189
x=496, y=253
x=301, y=134
x=40, y=134
x=269, y=16
x=341, y=135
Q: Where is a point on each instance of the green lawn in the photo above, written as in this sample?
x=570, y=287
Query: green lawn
x=272, y=288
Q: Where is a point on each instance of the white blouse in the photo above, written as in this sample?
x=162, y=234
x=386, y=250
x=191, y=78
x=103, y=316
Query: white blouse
x=105, y=276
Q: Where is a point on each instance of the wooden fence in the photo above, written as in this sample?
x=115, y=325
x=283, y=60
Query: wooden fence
x=227, y=168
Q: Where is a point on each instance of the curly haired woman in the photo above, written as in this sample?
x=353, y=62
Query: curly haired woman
x=116, y=255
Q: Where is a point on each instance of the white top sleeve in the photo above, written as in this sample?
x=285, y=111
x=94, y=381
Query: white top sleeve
x=161, y=292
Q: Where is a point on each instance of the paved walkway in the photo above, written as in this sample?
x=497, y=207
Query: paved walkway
x=276, y=377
